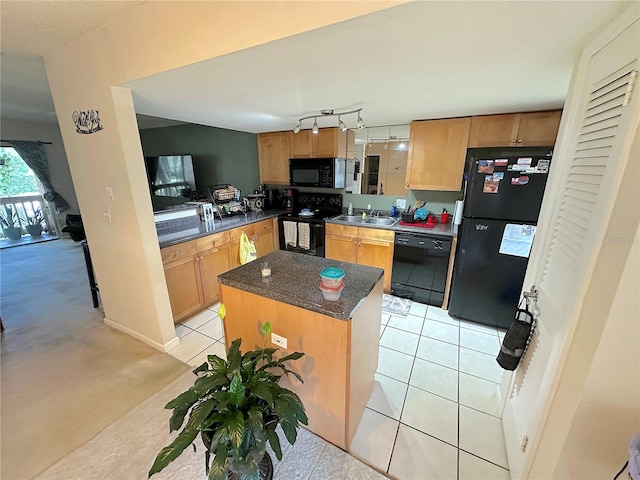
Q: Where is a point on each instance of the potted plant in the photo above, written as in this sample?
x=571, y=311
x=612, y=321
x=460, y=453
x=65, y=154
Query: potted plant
x=235, y=406
x=34, y=223
x=11, y=227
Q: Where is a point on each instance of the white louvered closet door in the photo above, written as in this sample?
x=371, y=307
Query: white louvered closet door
x=585, y=175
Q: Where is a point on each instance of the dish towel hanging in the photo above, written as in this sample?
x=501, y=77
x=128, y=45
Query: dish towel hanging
x=290, y=233
x=304, y=236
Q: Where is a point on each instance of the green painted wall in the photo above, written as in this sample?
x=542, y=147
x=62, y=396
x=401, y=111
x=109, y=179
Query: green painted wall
x=219, y=155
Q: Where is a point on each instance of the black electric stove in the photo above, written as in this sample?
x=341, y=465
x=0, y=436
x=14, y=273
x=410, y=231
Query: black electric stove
x=320, y=206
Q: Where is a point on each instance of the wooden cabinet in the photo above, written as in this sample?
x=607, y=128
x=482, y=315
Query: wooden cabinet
x=437, y=150
x=327, y=143
x=214, y=252
x=181, y=271
x=515, y=129
x=273, y=157
x=191, y=271
x=191, y=268
x=264, y=236
x=366, y=246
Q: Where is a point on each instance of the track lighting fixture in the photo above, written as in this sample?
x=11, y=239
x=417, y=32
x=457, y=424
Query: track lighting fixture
x=330, y=113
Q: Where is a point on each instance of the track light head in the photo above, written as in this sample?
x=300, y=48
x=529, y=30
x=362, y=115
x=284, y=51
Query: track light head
x=341, y=124
x=297, y=129
x=360, y=122
x=314, y=129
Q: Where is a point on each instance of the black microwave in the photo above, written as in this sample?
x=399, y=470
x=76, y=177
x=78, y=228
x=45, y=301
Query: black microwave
x=317, y=172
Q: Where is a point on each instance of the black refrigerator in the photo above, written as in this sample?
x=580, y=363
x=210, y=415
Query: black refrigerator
x=502, y=197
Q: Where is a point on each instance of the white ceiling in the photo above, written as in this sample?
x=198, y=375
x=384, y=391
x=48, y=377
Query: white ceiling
x=425, y=59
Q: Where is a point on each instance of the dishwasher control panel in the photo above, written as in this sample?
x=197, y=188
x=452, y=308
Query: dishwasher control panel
x=427, y=242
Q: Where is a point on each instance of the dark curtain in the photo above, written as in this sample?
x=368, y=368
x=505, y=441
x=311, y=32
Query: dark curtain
x=35, y=157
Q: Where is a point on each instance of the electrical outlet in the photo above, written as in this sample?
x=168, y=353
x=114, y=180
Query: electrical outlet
x=401, y=202
x=278, y=340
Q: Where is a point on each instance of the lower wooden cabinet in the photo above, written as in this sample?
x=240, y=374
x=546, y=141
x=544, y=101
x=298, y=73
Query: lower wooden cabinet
x=182, y=274
x=366, y=246
x=191, y=268
x=214, y=252
x=263, y=234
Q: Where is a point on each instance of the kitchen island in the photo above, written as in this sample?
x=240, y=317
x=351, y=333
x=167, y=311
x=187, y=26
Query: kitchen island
x=339, y=338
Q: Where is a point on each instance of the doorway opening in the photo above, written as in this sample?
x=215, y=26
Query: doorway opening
x=25, y=216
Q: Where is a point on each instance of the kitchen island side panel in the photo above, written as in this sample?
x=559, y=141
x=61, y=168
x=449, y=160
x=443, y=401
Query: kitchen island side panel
x=325, y=342
x=364, y=341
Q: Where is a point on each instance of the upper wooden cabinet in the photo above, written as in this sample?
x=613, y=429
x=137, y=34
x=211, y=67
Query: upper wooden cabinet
x=515, y=129
x=327, y=143
x=276, y=148
x=437, y=150
x=273, y=157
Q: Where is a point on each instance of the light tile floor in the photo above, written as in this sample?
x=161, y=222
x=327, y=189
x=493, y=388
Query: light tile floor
x=433, y=413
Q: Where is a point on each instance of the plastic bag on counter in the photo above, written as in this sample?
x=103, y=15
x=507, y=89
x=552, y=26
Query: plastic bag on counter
x=247, y=249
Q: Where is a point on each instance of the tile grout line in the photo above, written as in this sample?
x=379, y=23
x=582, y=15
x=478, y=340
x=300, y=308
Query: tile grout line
x=404, y=401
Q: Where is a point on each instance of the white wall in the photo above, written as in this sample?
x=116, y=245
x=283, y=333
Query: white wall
x=608, y=413
x=85, y=74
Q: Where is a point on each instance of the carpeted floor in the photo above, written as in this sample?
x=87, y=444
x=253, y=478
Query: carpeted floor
x=66, y=376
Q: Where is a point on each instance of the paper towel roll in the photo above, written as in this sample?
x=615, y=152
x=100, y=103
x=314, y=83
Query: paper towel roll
x=457, y=214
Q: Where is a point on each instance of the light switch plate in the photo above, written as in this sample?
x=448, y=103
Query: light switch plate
x=278, y=340
x=401, y=202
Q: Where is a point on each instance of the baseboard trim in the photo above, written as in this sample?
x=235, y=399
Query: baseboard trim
x=152, y=343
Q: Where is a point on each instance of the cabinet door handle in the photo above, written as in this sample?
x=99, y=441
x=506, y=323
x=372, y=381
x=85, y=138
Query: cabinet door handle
x=176, y=253
x=406, y=185
x=265, y=226
x=519, y=140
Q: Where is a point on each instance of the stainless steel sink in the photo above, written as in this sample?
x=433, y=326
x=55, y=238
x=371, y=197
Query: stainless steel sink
x=349, y=218
x=381, y=220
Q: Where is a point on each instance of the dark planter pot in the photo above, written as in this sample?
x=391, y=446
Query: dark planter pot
x=12, y=233
x=34, y=230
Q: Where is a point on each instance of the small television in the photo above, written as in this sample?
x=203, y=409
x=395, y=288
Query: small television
x=171, y=175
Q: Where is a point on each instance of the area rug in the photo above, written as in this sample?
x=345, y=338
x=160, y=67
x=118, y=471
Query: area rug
x=396, y=305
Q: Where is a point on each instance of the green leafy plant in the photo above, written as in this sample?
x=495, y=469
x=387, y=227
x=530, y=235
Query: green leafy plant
x=235, y=405
x=9, y=217
x=36, y=218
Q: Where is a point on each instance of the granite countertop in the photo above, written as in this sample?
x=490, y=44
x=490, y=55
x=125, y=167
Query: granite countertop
x=172, y=232
x=295, y=280
x=439, y=229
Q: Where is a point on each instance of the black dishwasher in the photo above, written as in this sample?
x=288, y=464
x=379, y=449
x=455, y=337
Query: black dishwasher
x=420, y=263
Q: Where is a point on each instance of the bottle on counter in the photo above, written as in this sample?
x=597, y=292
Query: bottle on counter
x=394, y=210
x=350, y=209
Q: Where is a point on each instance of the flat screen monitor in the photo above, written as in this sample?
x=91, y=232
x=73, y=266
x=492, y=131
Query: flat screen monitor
x=171, y=175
